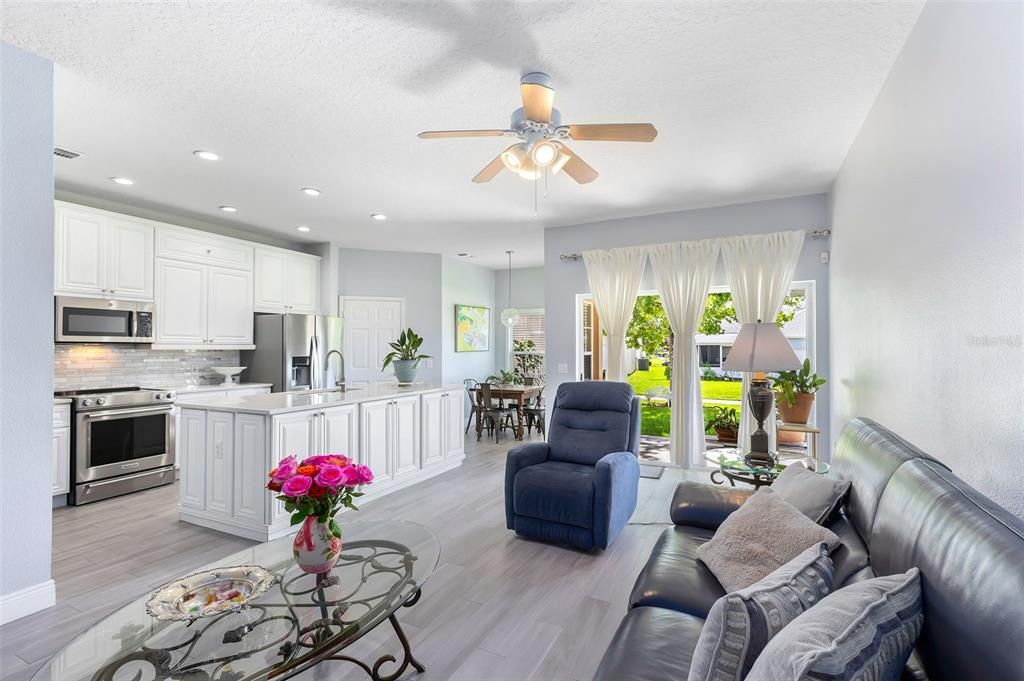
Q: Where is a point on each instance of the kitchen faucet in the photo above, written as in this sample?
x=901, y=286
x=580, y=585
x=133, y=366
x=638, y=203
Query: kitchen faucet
x=340, y=383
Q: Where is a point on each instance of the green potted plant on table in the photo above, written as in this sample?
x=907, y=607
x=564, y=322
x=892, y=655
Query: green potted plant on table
x=724, y=423
x=405, y=356
x=794, y=398
x=505, y=377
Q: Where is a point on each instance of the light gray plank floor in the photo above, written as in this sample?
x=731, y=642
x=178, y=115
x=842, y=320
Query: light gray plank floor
x=498, y=607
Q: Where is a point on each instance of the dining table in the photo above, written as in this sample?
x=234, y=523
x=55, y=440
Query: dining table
x=520, y=395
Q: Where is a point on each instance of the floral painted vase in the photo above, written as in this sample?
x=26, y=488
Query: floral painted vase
x=316, y=548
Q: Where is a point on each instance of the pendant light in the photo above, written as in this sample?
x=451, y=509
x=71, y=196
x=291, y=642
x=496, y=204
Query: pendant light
x=510, y=315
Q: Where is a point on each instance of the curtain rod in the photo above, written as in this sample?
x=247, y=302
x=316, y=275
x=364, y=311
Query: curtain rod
x=823, y=233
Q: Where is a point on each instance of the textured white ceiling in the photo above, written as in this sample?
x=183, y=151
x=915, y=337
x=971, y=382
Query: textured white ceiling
x=752, y=100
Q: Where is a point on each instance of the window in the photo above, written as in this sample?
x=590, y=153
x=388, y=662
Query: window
x=528, y=344
x=710, y=355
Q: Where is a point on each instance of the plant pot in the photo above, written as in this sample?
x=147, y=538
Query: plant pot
x=727, y=436
x=800, y=412
x=315, y=547
x=405, y=370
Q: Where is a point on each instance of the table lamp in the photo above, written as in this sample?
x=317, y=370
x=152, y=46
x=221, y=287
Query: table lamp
x=758, y=348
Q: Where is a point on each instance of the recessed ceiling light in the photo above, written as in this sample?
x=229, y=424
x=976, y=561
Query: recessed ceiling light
x=122, y=180
x=229, y=209
x=380, y=217
x=302, y=228
x=206, y=155
x=310, y=191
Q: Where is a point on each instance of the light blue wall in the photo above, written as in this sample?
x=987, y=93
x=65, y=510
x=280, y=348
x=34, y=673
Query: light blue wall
x=466, y=284
x=26, y=325
x=413, y=276
x=527, y=294
x=928, y=251
x=564, y=280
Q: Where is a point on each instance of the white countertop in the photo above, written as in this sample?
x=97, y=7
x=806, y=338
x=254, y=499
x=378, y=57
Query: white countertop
x=183, y=390
x=283, y=403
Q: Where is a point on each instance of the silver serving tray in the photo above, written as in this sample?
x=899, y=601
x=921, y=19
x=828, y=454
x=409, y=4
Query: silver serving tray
x=209, y=593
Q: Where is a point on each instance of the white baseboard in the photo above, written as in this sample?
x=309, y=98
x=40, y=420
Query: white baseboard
x=22, y=602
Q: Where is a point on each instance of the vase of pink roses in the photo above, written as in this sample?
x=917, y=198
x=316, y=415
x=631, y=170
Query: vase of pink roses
x=313, y=491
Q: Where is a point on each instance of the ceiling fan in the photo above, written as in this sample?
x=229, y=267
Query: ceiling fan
x=539, y=127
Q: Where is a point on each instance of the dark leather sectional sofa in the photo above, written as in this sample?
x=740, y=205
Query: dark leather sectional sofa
x=904, y=509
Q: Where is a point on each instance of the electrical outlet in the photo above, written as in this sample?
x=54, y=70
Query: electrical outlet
x=430, y=363
x=563, y=368
x=824, y=257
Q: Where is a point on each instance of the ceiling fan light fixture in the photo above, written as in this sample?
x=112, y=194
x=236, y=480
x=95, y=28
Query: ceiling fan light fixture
x=544, y=153
x=560, y=160
x=529, y=170
x=514, y=157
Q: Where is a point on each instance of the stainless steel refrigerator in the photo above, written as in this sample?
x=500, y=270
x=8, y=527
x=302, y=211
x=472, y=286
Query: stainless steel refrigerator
x=296, y=352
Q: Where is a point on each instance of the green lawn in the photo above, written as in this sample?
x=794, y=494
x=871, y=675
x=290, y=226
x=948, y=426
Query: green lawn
x=655, y=420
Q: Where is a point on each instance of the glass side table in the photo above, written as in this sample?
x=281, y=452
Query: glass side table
x=732, y=467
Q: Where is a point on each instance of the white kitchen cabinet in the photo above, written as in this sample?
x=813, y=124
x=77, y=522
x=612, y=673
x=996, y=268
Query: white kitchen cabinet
x=202, y=307
x=229, y=312
x=286, y=281
x=406, y=434
x=102, y=254
x=61, y=483
x=340, y=431
x=374, y=440
x=250, y=496
x=220, y=457
x=192, y=245
x=442, y=427
x=191, y=438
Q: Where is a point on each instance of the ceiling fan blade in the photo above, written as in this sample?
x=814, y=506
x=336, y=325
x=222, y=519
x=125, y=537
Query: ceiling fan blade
x=438, y=134
x=614, y=132
x=577, y=168
x=537, y=101
x=491, y=170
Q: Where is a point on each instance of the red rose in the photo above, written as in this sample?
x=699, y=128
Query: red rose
x=316, y=491
x=274, y=486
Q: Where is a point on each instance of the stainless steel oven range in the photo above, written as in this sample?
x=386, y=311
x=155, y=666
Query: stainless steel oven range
x=122, y=441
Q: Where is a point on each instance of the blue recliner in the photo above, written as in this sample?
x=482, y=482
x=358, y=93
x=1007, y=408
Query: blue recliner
x=580, y=486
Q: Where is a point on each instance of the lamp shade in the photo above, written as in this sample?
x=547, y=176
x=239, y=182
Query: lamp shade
x=761, y=347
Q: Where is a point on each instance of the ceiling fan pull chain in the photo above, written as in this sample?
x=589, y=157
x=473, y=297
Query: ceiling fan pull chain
x=535, y=181
x=545, y=182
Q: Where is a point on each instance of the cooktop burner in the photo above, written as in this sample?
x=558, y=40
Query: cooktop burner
x=95, y=398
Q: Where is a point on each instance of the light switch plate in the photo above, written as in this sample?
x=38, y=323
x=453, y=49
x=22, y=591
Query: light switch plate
x=430, y=363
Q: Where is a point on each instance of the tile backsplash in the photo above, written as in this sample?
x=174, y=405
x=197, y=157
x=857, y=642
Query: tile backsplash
x=108, y=366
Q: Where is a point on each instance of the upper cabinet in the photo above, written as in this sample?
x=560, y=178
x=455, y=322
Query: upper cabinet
x=102, y=254
x=286, y=281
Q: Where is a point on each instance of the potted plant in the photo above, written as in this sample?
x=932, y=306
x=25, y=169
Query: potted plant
x=725, y=423
x=794, y=398
x=313, y=491
x=405, y=356
x=505, y=377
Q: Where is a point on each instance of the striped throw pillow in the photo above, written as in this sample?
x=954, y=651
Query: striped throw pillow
x=741, y=623
x=862, y=632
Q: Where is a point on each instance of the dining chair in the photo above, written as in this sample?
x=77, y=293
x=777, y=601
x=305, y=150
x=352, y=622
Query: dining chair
x=473, y=409
x=535, y=414
x=491, y=408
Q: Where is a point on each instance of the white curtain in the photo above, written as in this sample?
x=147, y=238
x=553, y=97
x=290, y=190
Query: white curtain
x=759, y=268
x=683, y=272
x=614, y=282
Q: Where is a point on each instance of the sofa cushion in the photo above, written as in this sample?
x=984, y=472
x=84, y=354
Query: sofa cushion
x=674, y=578
x=863, y=631
x=816, y=496
x=557, y=491
x=741, y=623
x=763, y=534
x=651, y=644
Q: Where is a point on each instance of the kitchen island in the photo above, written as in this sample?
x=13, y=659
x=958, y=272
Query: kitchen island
x=226, y=446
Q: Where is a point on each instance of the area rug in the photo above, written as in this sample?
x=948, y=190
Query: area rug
x=653, y=472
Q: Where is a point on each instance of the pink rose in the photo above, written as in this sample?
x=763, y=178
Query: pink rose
x=320, y=459
x=365, y=474
x=329, y=475
x=297, y=485
x=349, y=476
x=285, y=469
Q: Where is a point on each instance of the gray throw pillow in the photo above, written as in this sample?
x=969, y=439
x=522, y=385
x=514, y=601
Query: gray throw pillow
x=817, y=496
x=740, y=624
x=763, y=534
x=862, y=632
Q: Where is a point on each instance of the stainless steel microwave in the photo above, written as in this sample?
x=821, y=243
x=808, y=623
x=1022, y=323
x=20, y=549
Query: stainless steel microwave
x=93, y=320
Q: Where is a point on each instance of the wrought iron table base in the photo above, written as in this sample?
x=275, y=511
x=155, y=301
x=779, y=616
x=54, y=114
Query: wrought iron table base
x=407, y=656
x=758, y=480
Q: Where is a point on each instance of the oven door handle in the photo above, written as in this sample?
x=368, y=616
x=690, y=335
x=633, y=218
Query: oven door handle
x=127, y=412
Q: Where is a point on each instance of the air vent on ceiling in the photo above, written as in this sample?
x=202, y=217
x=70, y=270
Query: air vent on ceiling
x=65, y=153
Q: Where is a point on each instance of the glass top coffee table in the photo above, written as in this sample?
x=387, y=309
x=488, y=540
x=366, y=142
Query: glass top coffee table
x=299, y=622
x=734, y=468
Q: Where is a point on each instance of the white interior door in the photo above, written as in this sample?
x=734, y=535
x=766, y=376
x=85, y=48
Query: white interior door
x=370, y=324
